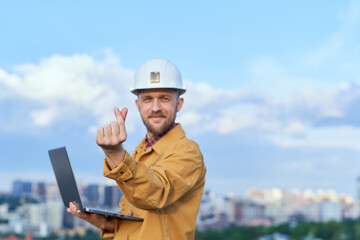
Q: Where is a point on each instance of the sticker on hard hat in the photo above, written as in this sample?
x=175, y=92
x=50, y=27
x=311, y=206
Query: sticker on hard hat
x=154, y=77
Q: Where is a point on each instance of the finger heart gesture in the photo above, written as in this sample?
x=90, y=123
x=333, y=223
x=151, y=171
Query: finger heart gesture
x=112, y=135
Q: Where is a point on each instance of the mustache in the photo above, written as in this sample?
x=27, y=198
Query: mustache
x=157, y=114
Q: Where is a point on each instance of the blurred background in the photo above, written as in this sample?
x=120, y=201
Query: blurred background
x=273, y=97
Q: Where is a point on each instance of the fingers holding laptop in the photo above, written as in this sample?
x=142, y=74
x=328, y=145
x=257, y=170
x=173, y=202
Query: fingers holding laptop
x=99, y=221
x=74, y=209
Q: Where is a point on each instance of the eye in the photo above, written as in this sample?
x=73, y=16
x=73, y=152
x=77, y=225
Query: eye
x=165, y=98
x=146, y=99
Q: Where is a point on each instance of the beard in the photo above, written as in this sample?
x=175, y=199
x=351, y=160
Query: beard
x=158, y=129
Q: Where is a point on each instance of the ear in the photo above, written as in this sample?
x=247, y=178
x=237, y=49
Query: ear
x=137, y=104
x=180, y=103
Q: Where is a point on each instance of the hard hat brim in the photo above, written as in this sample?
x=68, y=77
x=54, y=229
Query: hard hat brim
x=137, y=90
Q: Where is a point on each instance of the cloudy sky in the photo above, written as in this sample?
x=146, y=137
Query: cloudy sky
x=273, y=87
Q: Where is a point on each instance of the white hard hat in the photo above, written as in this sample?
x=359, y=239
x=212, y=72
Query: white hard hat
x=158, y=73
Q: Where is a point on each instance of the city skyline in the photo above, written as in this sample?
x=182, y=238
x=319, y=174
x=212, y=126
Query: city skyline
x=274, y=192
x=41, y=211
x=272, y=87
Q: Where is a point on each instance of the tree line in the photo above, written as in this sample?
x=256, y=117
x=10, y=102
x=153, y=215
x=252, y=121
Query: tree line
x=332, y=230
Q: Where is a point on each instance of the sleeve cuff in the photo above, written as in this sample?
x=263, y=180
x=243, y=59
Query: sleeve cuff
x=123, y=172
x=110, y=235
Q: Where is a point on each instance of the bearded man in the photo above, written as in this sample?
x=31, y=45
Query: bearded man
x=163, y=180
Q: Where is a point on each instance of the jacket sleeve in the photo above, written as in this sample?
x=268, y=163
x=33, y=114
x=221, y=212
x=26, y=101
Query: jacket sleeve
x=110, y=235
x=175, y=173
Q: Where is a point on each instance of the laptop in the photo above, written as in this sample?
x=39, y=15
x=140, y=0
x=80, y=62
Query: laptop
x=68, y=187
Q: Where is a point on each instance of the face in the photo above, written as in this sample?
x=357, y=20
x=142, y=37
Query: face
x=158, y=108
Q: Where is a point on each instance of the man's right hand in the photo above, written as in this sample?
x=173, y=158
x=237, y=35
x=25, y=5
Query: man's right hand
x=97, y=220
x=111, y=137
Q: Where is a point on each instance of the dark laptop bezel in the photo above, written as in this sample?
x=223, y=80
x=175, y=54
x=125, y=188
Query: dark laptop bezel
x=68, y=186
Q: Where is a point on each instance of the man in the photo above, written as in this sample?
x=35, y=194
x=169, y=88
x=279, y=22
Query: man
x=163, y=180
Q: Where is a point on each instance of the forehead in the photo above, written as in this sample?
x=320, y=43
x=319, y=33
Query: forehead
x=157, y=92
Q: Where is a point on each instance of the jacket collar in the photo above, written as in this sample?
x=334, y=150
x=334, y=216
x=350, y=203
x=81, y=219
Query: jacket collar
x=173, y=135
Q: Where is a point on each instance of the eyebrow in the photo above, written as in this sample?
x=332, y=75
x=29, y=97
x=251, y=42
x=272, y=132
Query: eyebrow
x=162, y=95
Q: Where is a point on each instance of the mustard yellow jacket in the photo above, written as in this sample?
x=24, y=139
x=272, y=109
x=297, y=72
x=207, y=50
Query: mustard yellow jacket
x=163, y=185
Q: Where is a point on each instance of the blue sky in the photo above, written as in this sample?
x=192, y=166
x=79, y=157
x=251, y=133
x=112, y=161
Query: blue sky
x=273, y=86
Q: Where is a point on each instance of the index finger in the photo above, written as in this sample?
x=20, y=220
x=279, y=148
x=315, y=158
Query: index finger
x=120, y=115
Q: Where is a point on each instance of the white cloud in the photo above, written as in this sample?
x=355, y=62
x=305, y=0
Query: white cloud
x=208, y=109
x=295, y=128
x=64, y=86
x=43, y=117
x=326, y=137
x=307, y=119
x=78, y=86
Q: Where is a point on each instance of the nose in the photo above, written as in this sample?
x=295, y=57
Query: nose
x=156, y=106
